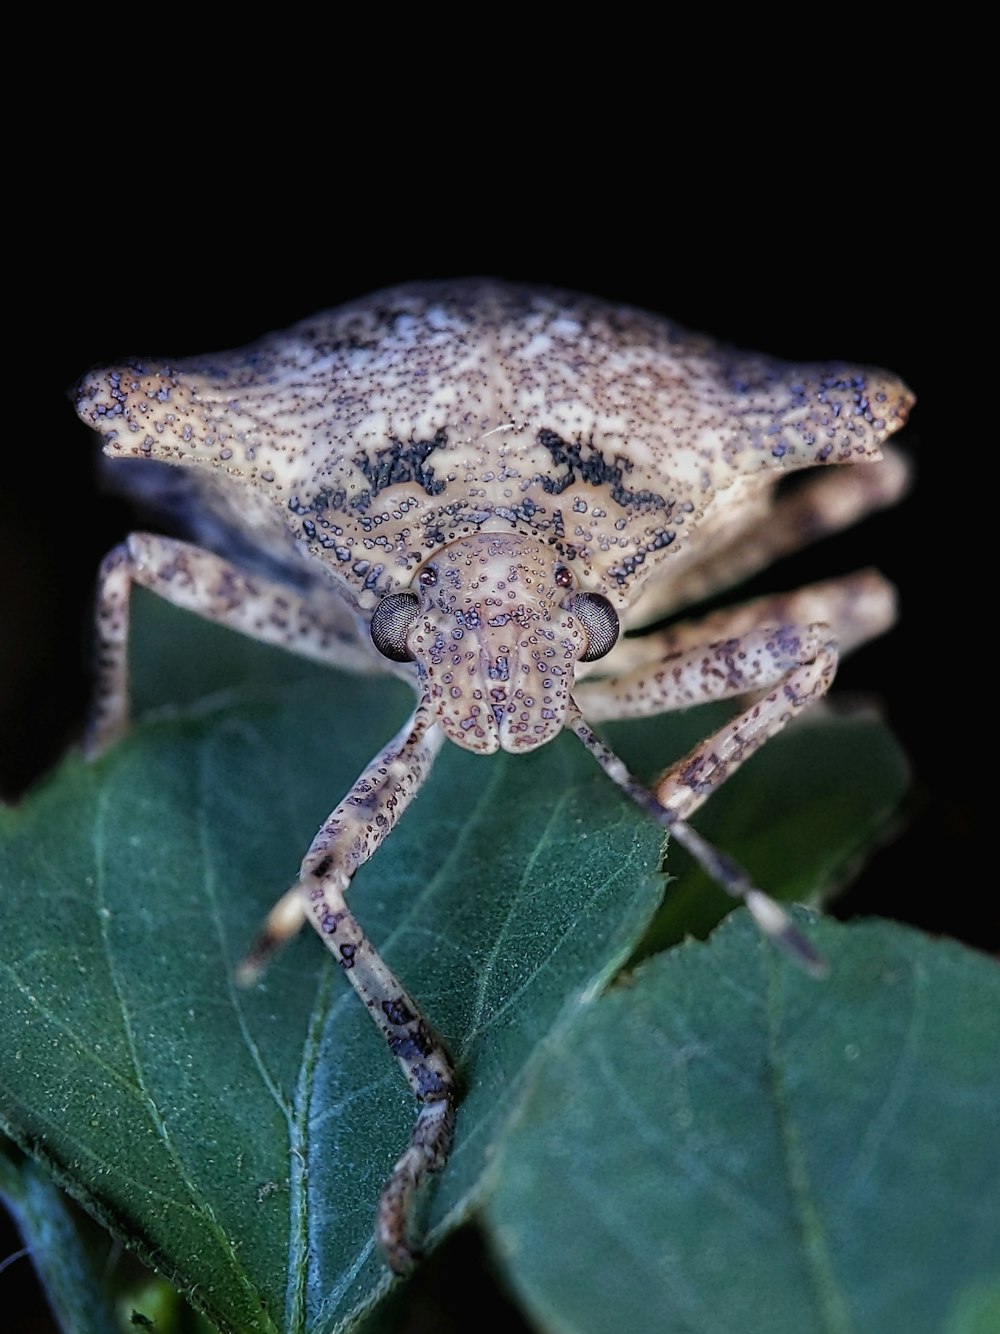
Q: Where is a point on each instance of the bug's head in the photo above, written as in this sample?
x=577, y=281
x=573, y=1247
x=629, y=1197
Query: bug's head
x=495, y=624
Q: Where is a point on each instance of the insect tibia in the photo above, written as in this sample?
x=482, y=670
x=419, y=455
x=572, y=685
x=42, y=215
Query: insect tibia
x=252, y=966
x=284, y=920
x=769, y=915
x=426, y=1152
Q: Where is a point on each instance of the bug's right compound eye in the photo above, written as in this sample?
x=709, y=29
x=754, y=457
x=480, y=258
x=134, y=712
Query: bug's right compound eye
x=391, y=620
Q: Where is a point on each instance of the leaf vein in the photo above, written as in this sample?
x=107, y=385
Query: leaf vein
x=199, y=1204
x=831, y=1305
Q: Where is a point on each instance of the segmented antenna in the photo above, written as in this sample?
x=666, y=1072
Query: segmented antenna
x=769, y=915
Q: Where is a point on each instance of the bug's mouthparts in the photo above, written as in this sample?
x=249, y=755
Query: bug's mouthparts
x=509, y=697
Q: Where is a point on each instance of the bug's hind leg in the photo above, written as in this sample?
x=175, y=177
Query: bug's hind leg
x=858, y=607
x=347, y=839
x=820, y=505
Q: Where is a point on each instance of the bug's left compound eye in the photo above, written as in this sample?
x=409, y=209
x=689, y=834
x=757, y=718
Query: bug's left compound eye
x=391, y=620
x=600, y=620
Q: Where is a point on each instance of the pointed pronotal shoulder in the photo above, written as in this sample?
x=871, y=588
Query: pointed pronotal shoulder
x=368, y=436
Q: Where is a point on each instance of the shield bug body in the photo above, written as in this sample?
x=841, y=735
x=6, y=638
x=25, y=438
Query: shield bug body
x=475, y=486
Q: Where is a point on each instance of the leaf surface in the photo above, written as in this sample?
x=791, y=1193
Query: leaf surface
x=239, y=1139
x=799, y=1155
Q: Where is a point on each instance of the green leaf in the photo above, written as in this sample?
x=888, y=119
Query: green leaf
x=238, y=1140
x=798, y=1155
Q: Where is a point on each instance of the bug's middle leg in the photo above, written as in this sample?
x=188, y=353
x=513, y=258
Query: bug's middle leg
x=858, y=606
x=346, y=840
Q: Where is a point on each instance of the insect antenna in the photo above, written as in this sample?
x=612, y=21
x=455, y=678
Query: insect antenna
x=769, y=915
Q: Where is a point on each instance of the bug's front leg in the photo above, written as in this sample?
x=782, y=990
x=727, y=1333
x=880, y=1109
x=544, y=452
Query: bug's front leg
x=306, y=623
x=786, y=667
x=347, y=839
x=782, y=666
x=321, y=628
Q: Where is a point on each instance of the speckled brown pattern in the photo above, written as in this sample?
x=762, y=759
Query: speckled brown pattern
x=378, y=432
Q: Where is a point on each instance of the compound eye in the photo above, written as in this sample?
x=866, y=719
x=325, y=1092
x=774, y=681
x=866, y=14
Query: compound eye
x=600, y=620
x=391, y=620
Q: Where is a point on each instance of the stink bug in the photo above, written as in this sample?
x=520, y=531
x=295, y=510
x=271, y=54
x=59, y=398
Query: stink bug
x=476, y=487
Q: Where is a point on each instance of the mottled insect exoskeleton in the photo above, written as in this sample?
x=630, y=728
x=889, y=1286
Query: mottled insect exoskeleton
x=476, y=486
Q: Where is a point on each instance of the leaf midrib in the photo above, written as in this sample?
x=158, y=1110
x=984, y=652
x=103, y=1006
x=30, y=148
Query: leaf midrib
x=832, y=1309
